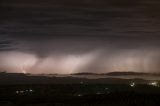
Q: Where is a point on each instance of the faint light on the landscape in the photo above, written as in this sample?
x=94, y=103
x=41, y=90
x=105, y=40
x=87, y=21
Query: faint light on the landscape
x=99, y=93
x=79, y=95
x=17, y=92
x=106, y=88
x=155, y=83
x=132, y=84
x=21, y=91
x=81, y=82
x=27, y=91
x=31, y=90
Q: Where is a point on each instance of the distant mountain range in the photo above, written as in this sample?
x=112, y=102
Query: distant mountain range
x=18, y=78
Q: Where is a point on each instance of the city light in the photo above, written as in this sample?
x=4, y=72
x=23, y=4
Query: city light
x=27, y=91
x=99, y=93
x=155, y=83
x=81, y=82
x=79, y=95
x=106, y=88
x=132, y=84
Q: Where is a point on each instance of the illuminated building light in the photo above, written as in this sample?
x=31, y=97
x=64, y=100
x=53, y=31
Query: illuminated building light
x=79, y=95
x=21, y=91
x=24, y=91
x=17, y=92
x=106, y=88
x=99, y=93
x=154, y=84
x=132, y=84
x=81, y=82
x=30, y=90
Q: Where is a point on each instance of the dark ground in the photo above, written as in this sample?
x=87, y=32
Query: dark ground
x=79, y=95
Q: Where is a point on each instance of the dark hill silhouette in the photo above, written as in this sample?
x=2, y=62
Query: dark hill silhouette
x=18, y=78
x=118, y=73
x=86, y=73
x=131, y=73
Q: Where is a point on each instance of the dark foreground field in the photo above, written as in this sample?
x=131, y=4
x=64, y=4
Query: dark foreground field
x=79, y=95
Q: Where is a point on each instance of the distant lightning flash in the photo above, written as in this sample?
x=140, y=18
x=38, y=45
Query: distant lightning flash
x=23, y=68
x=27, y=65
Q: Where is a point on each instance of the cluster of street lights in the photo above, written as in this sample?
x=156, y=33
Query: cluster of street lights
x=27, y=91
x=154, y=83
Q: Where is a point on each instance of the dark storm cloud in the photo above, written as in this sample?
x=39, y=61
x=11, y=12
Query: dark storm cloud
x=38, y=19
x=94, y=30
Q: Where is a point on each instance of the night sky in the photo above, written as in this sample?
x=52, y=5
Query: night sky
x=70, y=36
